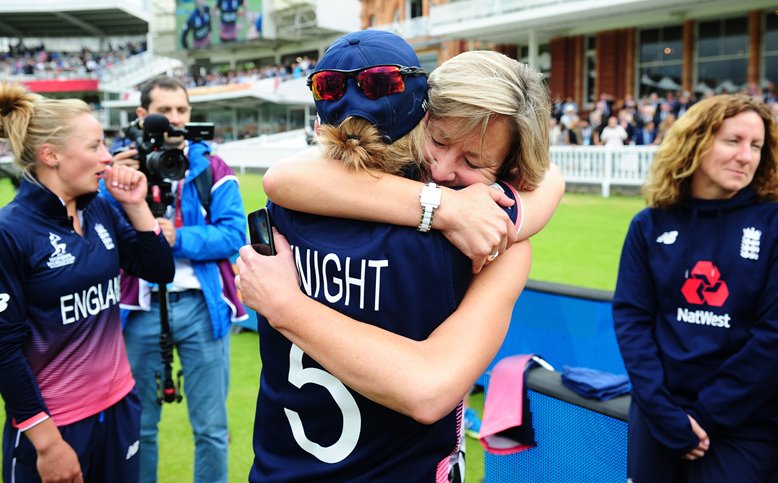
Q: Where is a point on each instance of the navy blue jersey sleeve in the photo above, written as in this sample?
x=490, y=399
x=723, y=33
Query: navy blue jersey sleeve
x=18, y=385
x=515, y=211
x=185, y=30
x=142, y=253
x=634, y=315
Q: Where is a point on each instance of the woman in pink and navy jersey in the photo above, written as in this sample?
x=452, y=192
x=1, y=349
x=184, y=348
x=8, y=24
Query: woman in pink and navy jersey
x=71, y=410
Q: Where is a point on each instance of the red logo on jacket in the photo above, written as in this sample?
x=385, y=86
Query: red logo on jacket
x=705, y=286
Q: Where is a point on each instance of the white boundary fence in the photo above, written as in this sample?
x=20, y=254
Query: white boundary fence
x=598, y=165
x=583, y=165
x=258, y=154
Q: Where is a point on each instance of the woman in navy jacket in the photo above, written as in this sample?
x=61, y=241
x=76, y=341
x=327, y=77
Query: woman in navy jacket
x=71, y=409
x=696, y=303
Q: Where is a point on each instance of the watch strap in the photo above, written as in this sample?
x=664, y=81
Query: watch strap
x=430, y=201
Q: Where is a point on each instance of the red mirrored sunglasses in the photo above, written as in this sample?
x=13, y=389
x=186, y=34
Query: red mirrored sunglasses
x=375, y=82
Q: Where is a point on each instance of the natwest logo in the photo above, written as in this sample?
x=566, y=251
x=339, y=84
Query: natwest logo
x=704, y=286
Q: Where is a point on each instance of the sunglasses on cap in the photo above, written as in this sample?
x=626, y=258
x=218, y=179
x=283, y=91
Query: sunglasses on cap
x=376, y=82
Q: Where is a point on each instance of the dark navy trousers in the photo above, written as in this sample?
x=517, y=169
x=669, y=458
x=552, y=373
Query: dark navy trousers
x=106, y=444
x=729, y=459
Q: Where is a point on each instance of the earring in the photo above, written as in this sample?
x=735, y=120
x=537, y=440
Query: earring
x=55, y=165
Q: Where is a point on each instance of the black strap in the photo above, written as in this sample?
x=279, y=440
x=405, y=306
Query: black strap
x=203, y=182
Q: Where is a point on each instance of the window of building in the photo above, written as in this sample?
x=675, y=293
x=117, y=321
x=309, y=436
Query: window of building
x=415, y=8
x=590, y=71
x=428, y=60
x=770, y=43
x=660, y=60
x=544, y=59
x=722, y=55
x=247, y=123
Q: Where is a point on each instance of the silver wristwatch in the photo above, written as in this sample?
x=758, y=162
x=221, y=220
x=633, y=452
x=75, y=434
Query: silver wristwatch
x=430, y=200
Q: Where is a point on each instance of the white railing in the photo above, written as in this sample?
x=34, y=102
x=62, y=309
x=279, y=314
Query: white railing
x=408, y=29
x=5, y=73
x=583, y=165
x=259, y=153
x=598, y=165
x=135, y=70
x=580, y=165
x=468, y=10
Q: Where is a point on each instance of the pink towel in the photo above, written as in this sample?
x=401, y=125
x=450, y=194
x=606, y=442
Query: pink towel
x=507, y=423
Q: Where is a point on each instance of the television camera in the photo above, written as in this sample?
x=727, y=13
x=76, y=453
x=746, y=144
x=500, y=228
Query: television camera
x=159, y=161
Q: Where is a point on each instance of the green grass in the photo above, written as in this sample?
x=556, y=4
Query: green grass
x=582, y=243
x=580, y=246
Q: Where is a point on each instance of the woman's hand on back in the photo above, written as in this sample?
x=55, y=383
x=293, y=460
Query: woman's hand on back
x=473, y=221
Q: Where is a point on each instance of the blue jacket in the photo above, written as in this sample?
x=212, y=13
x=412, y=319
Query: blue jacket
x=209, y=245
x=696, y=317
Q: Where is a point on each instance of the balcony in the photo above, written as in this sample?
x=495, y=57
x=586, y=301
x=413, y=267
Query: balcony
x=509, y=21
x=295, y=20
x=135, y=70
x=77, y=18
x=408, y=29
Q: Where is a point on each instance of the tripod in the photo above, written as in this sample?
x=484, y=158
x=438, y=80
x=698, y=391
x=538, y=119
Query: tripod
x=168, y=390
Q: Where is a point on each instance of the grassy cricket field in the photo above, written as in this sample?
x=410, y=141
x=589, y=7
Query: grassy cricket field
x=580, y=246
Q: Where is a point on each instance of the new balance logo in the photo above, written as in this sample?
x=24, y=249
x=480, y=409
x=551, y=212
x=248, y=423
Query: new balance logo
x=4, y=298
x=133, y=450
x=668, y=237
x=749, y=244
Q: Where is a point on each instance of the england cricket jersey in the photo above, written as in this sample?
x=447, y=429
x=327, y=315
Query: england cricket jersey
x=61, y=347
x=229, y=10
x=309, y=426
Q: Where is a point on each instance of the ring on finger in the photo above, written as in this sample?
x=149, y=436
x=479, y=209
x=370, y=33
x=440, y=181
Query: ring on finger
x=493, y=255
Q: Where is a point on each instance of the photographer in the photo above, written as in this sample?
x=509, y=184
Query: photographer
x=202, y=300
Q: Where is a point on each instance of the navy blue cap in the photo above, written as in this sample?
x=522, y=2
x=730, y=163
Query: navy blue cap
x=394, y=115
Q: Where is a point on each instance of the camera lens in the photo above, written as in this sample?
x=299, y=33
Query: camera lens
x=168, y=164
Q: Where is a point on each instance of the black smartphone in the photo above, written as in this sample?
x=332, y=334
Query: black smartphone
x=260, y=233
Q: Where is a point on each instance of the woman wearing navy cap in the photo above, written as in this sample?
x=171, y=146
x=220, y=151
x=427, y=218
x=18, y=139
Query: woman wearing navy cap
x=380, y=400
x=485, y=122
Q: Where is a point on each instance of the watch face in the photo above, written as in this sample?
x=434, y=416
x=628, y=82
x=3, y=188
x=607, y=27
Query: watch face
x=430, y=195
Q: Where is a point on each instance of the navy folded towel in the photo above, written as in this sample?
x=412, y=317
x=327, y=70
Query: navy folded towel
x=594, y=384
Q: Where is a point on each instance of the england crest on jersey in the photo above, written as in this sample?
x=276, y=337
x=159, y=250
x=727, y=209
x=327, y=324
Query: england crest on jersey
x=105, y=237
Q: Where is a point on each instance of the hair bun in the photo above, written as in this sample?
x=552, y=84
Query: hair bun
x=14, y=98
x=16, y=108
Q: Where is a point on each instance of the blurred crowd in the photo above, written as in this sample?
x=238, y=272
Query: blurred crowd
x=248, y=73
x=40, y=62
x=629, y=121
x=612, y=122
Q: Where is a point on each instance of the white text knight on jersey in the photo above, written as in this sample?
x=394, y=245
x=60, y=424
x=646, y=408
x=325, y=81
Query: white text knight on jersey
x=328, y=273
